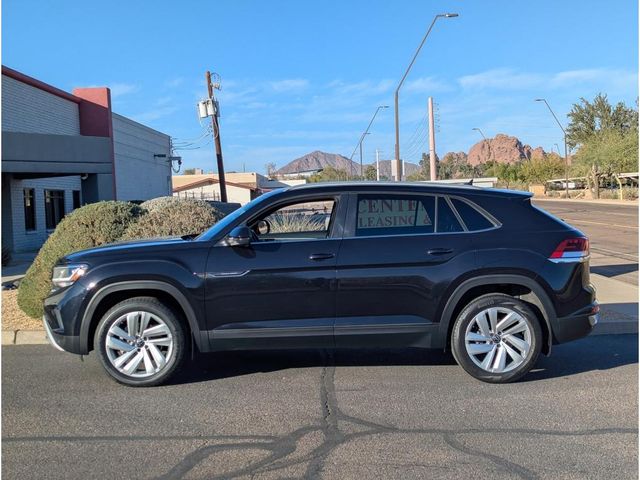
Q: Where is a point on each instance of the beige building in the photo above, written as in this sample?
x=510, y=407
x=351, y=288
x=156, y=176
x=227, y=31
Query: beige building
x=241, y=187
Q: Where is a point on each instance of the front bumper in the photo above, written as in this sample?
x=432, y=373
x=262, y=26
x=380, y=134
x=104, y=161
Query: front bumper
x=65, y=343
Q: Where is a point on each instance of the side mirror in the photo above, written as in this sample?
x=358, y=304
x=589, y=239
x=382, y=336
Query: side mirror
x=239, y=237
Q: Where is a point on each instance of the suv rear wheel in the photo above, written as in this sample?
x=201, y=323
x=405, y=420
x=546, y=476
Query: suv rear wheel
x=496, y=338
x=140, y=342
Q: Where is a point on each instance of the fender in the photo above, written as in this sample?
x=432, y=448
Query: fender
x=139, y=285
x=541, y=300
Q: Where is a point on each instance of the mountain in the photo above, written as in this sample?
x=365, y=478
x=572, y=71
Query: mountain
x=503, y=149
x=318, y=160
x=385, y=168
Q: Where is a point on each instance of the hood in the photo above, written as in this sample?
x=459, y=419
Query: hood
x=130, y=245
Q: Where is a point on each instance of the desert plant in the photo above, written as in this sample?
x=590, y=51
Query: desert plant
x=85, y=227
x=296, y=222
x=172, y=217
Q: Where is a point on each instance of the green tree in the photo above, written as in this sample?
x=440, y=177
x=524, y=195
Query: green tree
x=331, y=174
x=539, y=170
x=607, y=140
x=370, y=172
x=589, y=119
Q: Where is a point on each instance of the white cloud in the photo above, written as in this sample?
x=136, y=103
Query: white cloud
x=607, y=80
x=174, y=82
x=426, y=85
x=501, y=78
x=119, y=89
x=290, y=85
x=155, y=113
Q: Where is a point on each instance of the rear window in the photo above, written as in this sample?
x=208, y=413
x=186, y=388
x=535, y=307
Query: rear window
x=472, y=218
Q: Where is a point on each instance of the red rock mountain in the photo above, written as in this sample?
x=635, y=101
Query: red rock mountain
x=503, y=149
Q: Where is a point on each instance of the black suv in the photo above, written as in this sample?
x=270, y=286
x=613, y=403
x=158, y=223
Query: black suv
x=480, y=271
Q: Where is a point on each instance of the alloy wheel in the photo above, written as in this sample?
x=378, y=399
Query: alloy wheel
x=139, y=344
x=498, y=339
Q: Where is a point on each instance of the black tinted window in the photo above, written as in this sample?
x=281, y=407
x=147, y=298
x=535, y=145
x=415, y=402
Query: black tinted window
x=447, y=221
x=472, y=218
x=395, y=214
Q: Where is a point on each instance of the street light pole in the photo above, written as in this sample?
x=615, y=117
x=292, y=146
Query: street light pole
x=362, y=140
x=566, y=150
x=396, y=99
x=485, y=140
x=366, y=132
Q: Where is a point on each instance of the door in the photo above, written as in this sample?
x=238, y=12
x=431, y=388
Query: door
x=399, y=253
x=279, y=291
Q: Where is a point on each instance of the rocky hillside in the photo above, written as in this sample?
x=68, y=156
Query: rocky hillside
x=317, y=160
x=385, y=168
x=503, y=149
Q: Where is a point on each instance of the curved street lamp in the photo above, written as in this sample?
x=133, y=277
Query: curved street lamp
x=566, y=150
x=365, y=133
x=398, y=162
x=485, y=140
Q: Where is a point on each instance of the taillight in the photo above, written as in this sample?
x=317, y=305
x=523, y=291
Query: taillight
x=571, y=250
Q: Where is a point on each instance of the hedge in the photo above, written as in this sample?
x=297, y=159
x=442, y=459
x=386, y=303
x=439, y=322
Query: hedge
x=173, y=217
x=85, y=227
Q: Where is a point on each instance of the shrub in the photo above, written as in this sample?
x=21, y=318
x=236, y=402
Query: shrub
x=86, y=227
x=173, y=216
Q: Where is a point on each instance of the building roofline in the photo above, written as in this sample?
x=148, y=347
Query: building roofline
x=21, y=77
x=207, y=181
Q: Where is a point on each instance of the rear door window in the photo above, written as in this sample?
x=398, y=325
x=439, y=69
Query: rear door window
x=447, y=220
x=380, y=214
x=472, y=218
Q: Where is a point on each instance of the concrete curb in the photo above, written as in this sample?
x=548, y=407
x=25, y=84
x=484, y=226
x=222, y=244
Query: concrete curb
x=24, y=337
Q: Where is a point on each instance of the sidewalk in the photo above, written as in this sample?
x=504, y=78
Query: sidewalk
x=618, y=306
x=18, y=266
x=603, y=201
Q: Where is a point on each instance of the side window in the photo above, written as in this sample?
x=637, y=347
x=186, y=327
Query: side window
x=447, y=220
x=394, y=214
x=309, y=220
x=472, y=218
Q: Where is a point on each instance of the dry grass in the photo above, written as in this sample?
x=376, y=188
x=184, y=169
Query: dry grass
x=12, y=317
x=294, y=223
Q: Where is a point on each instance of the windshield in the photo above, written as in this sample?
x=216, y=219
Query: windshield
x=232, y=217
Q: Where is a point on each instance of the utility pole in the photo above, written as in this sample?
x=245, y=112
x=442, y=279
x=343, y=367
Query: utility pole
x=215, y=125
x=377, y=165
x=433, y=174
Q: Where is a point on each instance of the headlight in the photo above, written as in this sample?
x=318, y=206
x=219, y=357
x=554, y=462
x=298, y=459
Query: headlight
x=66, y=275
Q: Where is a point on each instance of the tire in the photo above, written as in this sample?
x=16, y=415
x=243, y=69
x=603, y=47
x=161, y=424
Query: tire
x=496, y=355
x=137, y=356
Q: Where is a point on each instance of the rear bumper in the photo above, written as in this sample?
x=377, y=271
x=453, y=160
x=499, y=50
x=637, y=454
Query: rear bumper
x=576, y=326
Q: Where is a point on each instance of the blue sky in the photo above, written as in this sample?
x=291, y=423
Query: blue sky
x=299, y=76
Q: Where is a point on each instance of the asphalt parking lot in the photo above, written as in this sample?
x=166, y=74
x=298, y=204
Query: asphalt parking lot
x=322, y=414
x=612, y=232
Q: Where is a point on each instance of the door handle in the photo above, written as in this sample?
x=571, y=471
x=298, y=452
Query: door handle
x=321, y=256
x=439, y=251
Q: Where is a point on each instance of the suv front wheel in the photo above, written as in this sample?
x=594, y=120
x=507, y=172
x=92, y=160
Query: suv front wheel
x=140, y=342
x=496, y=338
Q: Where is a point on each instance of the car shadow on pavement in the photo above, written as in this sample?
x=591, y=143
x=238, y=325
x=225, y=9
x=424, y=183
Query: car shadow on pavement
x=614, y=270
x=593, y=353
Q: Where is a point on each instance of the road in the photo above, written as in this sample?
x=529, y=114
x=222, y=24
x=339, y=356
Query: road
x=613, y=234
x=317, y=414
